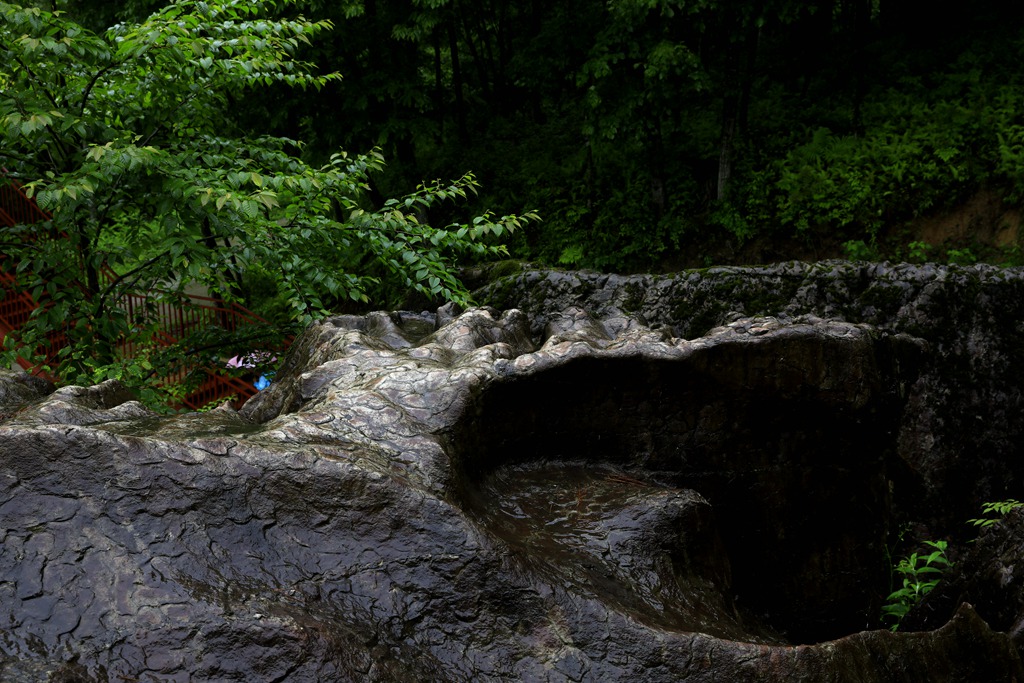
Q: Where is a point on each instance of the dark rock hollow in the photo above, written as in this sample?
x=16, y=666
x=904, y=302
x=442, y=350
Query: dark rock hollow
x=570, y=490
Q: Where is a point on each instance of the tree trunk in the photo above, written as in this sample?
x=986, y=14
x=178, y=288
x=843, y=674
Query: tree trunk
x=861, y=25
x=725, y=152
x=210, y=240
x=656, y=167
x=735, y=110
x=438, y=85
x=457, y=86
x=478, y=60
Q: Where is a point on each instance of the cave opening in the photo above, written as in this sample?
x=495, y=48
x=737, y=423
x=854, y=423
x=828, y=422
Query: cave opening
x=776, y=453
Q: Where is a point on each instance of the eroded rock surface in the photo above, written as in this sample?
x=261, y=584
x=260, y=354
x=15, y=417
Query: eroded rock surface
x=962, y=428
x=476, y=497
x=17, y=389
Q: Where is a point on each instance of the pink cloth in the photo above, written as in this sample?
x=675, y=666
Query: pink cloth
x=251, y=360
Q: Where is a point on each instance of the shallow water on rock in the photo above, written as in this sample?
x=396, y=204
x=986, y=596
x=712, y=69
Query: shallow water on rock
x=651, y=551
x=556, y=508
x=184, y=426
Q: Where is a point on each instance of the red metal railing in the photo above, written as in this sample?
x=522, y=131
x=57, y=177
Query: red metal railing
x=177, y=319
x=15, y=207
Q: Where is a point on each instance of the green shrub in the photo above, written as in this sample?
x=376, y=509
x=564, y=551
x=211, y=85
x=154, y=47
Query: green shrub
x=999, y=508
x=920, y=575
x=859, y=250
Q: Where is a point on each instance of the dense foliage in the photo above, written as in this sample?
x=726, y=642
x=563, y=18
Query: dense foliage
x=126, y=137
x=656, y=133
x=648, y=133
x=660, y=132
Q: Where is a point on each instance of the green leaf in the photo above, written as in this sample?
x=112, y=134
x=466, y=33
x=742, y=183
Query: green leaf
x=130, y=129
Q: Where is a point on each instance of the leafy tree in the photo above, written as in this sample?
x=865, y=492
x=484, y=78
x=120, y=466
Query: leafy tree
x=126, y=138
x=651, y=130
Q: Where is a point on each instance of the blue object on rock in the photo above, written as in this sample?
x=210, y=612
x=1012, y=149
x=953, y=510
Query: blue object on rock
x=262, y=383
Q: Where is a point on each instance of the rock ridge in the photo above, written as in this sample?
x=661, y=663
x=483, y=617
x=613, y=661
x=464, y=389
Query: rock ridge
x=515, y=494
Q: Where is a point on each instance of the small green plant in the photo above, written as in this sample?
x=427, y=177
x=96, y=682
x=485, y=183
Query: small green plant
x=217, y=403
x=571, y=255
x=920, y=575
x=963, y=257
x=859, y=250
x=919, y=251
x=1010, y=256
x=999, y=508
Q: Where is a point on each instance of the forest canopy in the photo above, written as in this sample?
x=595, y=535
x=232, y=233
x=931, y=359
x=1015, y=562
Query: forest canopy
x=657, y=133
x=651, y=134
x=242, y=146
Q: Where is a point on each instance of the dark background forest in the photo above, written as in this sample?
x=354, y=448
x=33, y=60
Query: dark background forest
x=659, y=134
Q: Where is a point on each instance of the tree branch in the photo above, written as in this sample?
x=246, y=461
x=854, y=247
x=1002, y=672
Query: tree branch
x=109, y=289
x=92, y=83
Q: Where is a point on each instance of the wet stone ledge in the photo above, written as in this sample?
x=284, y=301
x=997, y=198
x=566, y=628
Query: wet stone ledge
x=473, y=496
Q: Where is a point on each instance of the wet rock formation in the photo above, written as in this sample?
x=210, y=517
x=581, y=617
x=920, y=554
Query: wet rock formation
x=18, y=389
x=563, y=491
x=961, y=428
